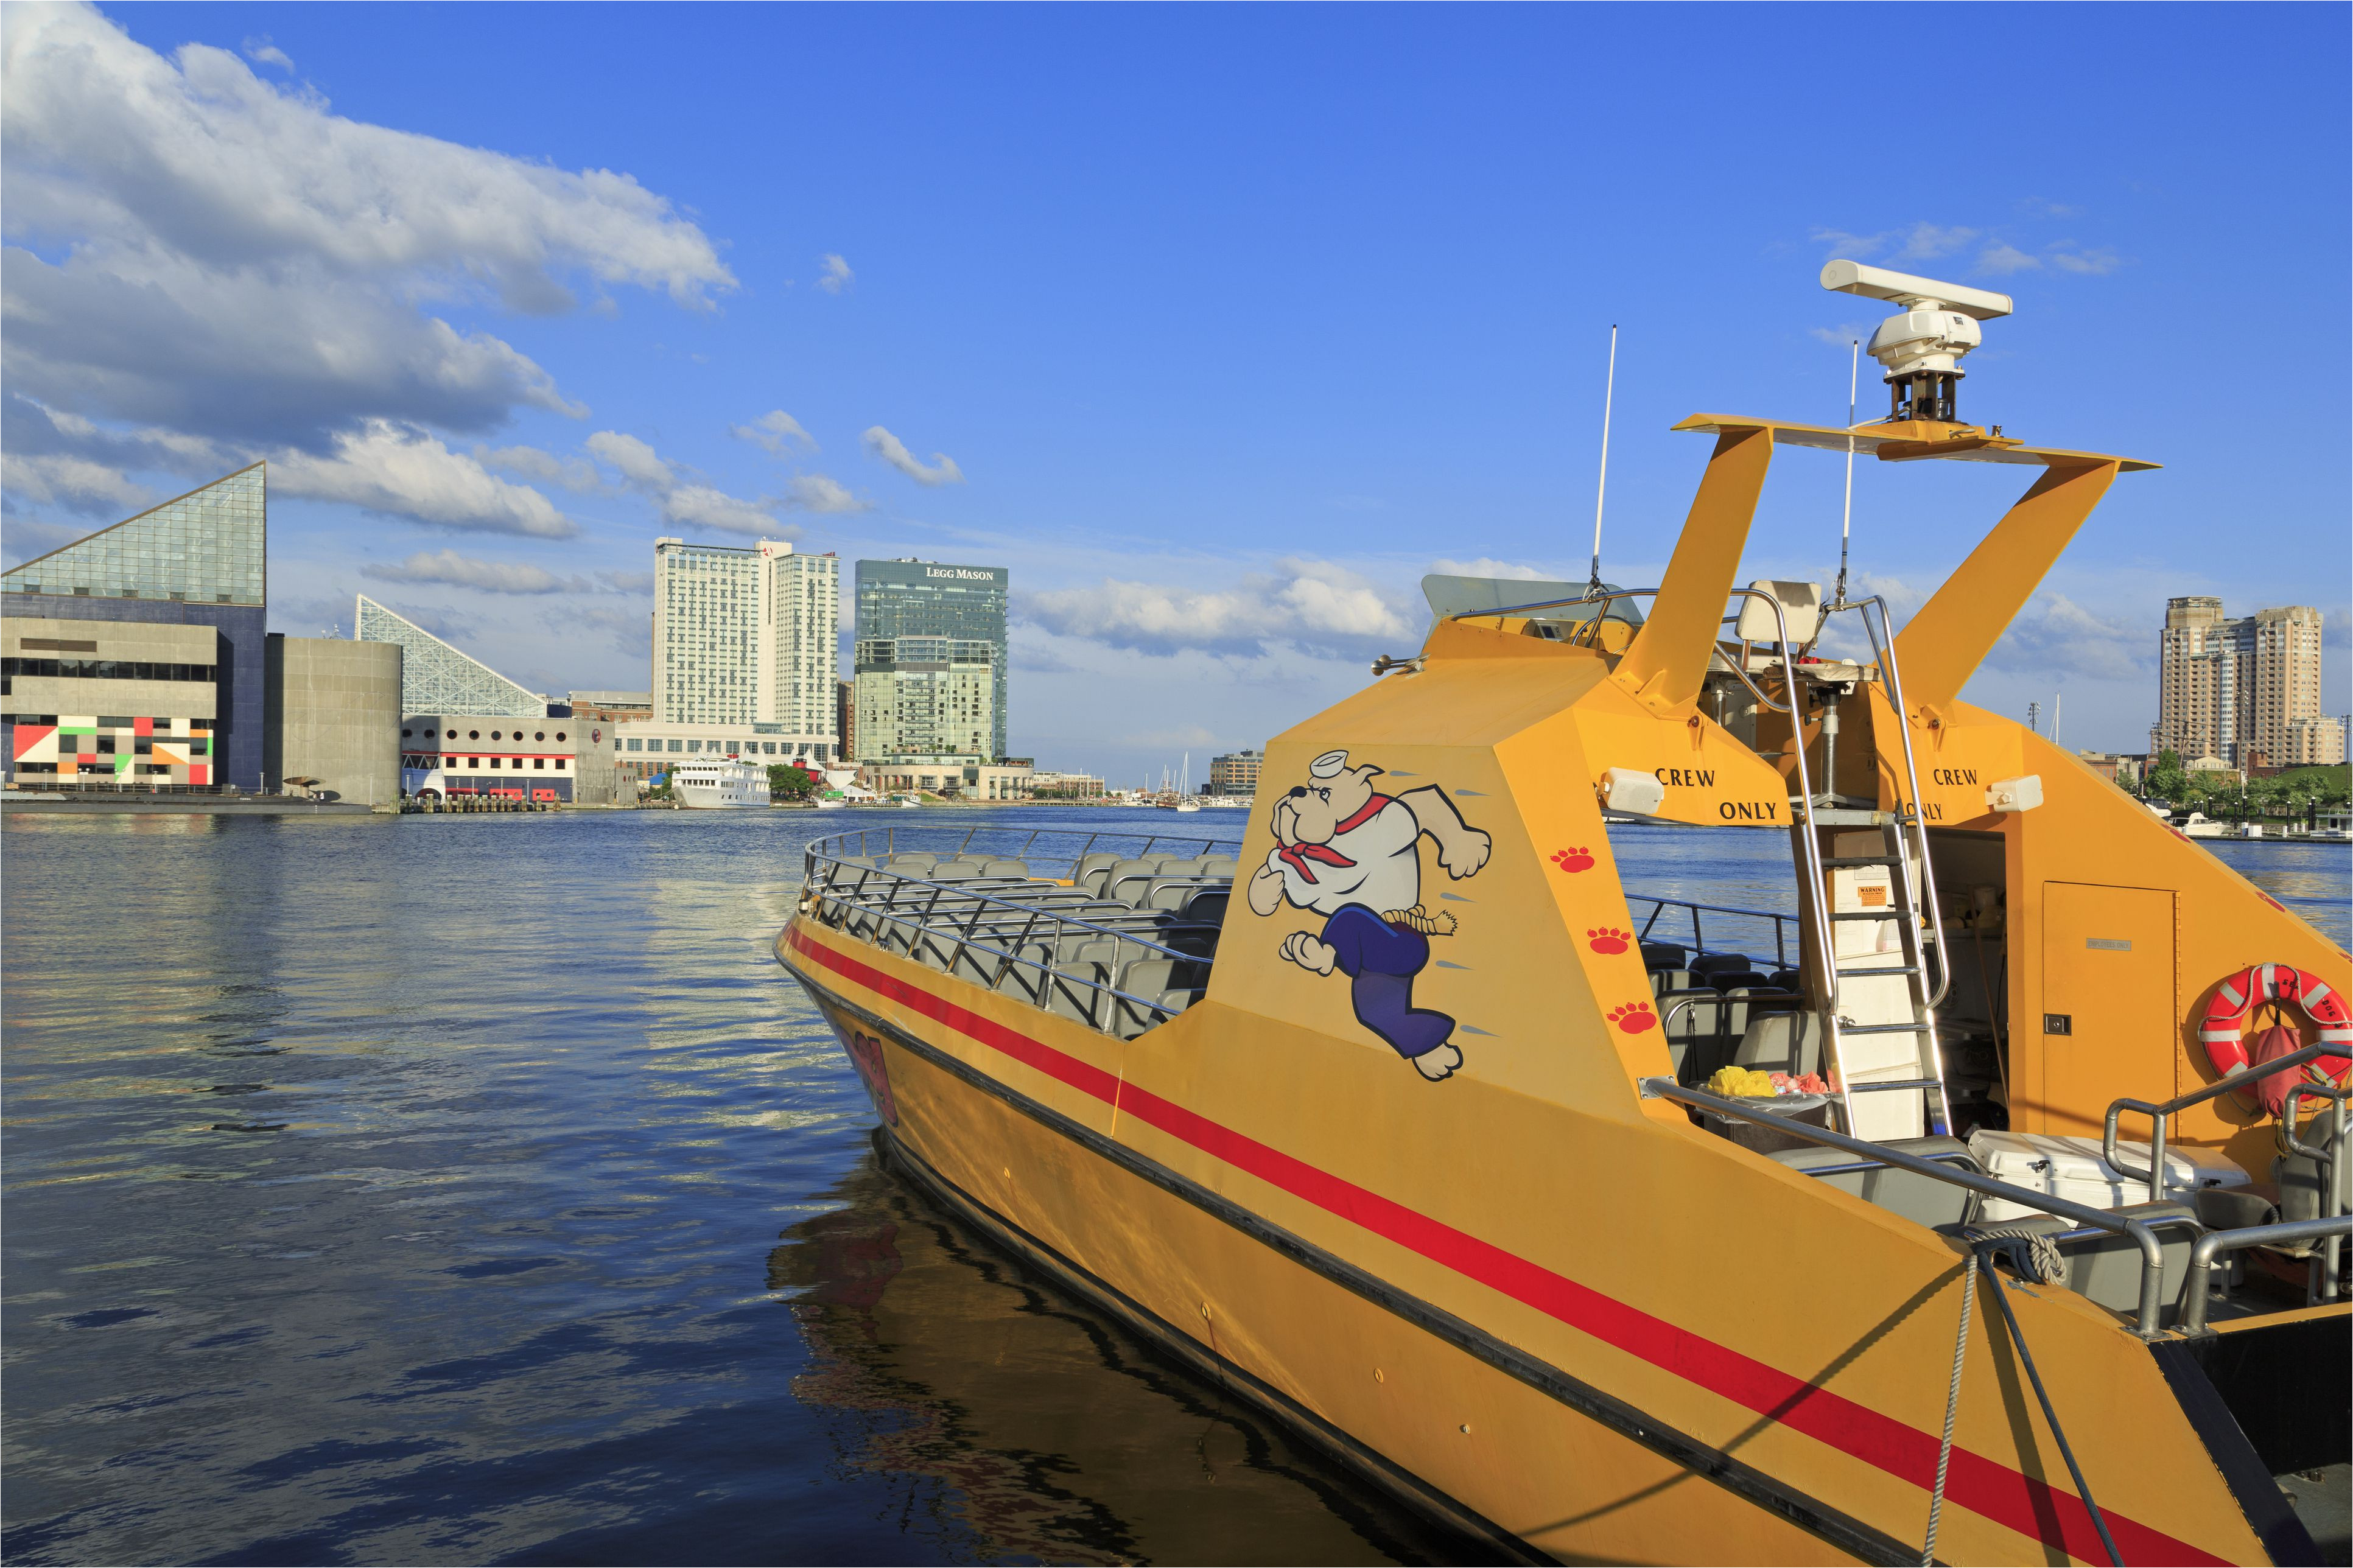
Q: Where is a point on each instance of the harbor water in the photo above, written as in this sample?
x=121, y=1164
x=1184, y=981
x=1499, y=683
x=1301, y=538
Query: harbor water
x=464, y=1189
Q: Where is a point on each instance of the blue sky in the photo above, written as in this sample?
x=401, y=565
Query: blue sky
x=1219, y=326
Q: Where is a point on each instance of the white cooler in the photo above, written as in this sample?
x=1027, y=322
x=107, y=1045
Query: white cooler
x=2071, y=1168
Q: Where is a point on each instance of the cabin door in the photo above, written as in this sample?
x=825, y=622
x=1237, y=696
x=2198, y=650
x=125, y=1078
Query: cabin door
x=2107, y=1015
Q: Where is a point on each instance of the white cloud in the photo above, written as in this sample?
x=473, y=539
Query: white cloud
x=836, y=271
x=1485, y=566
x=261, y=51
x=2094, y=263
x=628, y=582
x=78, y=484
x=684, y=502
x=638, y=462
x=465, y=572
x=1913, y=242
x=881, y=443
x=218, y=260
x=2001, y=258
x=2055, y=635
x=815, y=492
x=777, y=431
x=407, y=473
x=572, y=473
x=1845, y=335
x=1309, y=603
x=700, y=506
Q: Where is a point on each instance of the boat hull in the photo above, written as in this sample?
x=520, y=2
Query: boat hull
x=1636, y=1414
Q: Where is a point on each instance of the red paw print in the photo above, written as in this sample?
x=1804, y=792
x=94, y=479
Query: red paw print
x=1578, y=860
x=1609, y=939
x=1634, y=1017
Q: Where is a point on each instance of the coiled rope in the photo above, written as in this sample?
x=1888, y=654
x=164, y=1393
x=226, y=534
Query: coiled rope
x=1952, y=1404
x=1420, y=919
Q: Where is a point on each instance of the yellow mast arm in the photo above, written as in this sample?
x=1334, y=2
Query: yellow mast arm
x=1944, y=643
x=1667, y=661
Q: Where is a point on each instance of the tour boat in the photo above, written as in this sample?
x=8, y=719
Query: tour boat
x=1935, y=1216
x=719, y=784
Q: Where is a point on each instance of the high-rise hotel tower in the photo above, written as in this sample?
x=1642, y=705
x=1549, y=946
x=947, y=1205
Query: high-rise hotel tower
x=747, y=637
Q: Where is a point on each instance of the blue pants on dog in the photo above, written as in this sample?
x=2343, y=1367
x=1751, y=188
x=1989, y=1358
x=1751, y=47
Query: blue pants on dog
x=1380, y=961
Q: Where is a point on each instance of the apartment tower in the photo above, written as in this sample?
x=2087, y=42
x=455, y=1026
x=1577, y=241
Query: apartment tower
x=2230, y=689
x=746, y=635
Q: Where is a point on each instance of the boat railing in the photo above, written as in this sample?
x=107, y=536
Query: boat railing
x=990, y=921
x=2087, y=1222
x=1055, y=848
x=1694, y=912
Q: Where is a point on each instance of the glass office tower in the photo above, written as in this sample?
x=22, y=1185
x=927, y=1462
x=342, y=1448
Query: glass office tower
x=910, y=598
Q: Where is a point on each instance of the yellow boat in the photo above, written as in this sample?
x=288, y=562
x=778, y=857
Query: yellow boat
x=1473, y=1164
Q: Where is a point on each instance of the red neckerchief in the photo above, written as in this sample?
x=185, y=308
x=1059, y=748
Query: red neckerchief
x=1296, y=856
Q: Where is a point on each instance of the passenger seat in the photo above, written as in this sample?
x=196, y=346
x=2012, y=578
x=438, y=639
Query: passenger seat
x=1782, y=1042
x=1924, y=1200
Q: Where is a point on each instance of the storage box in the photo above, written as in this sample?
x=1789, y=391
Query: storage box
x=2071, y=1168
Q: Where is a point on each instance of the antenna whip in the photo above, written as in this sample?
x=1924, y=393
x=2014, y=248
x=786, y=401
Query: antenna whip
x=1601, y=490
x=1846, y=520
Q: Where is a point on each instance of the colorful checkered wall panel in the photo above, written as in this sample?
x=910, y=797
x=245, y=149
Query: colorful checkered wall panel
x=106, y=749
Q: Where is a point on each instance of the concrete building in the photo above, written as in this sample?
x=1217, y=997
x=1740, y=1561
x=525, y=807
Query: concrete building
x=1052, y=785
x=2314, y=739
x=845, y=713
x=110, y=704
x=612, y=707
x=644, y=751
x=932, y=637
x=335, y=719
x=2226, y=688
x=747, y=635
x=1235, y=774
x=512, y=757
x=955, y=778
x=195, y=564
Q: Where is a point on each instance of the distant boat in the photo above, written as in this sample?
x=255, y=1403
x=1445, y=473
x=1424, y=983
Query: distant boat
x=1189, y=803
x=720, y=785
x=2198, y=825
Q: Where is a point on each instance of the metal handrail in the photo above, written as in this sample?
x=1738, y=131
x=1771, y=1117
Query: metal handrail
x=2159, y=1114
x=2140, y=1232
x=1658, y=906
x=2214, y=1243
x=1883, y=647
x=832, y=847
x=2322, y=1279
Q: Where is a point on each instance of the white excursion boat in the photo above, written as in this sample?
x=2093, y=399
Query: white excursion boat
x=719, y=783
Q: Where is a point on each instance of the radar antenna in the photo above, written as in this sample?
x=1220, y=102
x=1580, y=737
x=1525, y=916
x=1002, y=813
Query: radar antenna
x=1920, y=349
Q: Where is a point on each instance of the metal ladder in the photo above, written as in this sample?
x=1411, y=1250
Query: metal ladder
x=1919, y=921
x=1905, y=836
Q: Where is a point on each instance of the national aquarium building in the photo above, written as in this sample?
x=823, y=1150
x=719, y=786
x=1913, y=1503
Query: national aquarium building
x=136, y=656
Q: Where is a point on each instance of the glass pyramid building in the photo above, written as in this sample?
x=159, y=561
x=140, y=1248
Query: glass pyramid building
x=436, y=678
x=196, y=560
x=204, y=548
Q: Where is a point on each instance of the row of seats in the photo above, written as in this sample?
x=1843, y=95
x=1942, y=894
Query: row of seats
x=1720, y=1009
x=1059, y=947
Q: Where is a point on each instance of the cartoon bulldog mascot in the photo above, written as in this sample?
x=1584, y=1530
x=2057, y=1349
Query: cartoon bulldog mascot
x=1353, y=855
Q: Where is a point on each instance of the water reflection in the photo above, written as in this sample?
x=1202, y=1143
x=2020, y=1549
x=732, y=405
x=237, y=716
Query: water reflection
x=1019, y=1424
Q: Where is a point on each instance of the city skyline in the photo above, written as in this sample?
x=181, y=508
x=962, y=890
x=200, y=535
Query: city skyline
x=481, y=415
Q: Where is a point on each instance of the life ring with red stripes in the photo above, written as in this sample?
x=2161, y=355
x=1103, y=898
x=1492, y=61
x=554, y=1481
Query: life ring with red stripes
x=2223, y=1029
